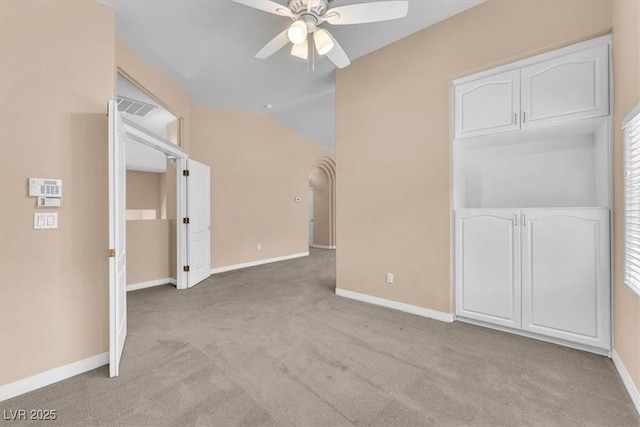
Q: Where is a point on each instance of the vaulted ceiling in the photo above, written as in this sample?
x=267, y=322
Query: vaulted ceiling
x=208, y=48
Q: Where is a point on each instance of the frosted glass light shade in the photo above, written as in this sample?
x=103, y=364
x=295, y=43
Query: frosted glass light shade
x=297, y=32
x=324, y=42
x=300, y=50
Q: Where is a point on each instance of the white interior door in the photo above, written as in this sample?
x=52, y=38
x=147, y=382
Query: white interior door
x=117, y=240
x=310, y=202
x=199, y=227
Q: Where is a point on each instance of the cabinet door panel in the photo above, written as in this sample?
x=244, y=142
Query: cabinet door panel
x=565, y=275
x=487, y=266
x=574, y=86
x=488, y=105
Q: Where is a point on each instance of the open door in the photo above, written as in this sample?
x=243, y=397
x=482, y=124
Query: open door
x=199, y=225
x=117, y=237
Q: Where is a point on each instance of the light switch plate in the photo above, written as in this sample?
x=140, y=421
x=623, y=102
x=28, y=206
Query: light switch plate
x=43, y=221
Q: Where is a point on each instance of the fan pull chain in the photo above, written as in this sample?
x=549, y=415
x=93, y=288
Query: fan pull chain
x=311, y=54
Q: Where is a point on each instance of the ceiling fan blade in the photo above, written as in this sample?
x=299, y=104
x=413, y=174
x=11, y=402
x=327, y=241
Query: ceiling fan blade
x=366, y=12
x=277, y=43
x=300, y=50
x=337, y=55
x=267, y=6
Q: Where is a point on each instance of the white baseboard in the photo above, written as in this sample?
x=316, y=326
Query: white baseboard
x=258, y=262
x=323, y=247
x=626, y=379
x=413, y=309
x=52, y=376
x=552, y=340
x=150, y=283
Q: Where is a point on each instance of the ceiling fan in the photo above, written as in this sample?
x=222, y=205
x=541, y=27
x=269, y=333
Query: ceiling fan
x=307, y=16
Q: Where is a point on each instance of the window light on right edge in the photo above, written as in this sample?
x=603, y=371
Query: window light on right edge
x=631, y=127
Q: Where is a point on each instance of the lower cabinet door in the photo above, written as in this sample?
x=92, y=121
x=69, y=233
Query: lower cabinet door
x=566, y=276
x=487, y=271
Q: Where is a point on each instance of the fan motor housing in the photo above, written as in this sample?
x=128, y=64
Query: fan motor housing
x=319, y=7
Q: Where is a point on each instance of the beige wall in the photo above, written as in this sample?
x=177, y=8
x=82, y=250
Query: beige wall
x=258, y=167
x=57, y=68
x=626, y=77
x=148, y=254
x=144, y=191
x=148, y=241
x=393, y=140
x=319, y=180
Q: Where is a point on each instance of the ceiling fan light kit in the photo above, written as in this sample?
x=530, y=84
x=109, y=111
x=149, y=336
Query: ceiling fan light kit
x=298, y=32
x=300, y=50
x=308, y=15
x=324, y=42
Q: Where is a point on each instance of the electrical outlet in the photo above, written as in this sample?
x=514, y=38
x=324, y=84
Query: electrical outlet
x=389, y=277
x=259, y=246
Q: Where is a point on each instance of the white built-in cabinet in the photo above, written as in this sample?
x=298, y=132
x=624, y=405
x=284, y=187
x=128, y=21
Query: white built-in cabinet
x=488, y=105
x=570, y=87
x=567, y=87
x=545, y=271
x=488, y=266
x=532, y=196
x=565, y=274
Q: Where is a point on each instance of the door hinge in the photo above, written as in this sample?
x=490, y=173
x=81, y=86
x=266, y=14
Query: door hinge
x=185, y=172
x=185, y=268
x=111, y=253
x=186, y=220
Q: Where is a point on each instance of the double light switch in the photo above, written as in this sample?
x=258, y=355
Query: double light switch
x=42, y=220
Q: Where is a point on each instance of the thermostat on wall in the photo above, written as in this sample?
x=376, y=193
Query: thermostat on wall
x=48, y=191
x=45, y=187
x=49, y=202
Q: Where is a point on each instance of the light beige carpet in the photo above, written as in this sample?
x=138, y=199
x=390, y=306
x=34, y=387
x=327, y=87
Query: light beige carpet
x=273, y=345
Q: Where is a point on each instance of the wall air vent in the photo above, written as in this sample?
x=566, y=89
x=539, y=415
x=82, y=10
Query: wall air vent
x=131, y=106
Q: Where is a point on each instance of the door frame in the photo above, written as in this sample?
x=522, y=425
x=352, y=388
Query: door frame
x=143, y=136
x=310, y=215
x=117, y=238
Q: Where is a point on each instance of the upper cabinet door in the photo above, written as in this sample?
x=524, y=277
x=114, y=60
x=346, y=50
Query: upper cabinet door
x=574, y=86
x=488, y=105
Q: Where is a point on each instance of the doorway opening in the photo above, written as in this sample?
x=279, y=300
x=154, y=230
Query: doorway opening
x=151, y=211
x=321, y=204
x=190, y=241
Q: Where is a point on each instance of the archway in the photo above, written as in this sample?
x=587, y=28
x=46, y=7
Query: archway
x=322, y=178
